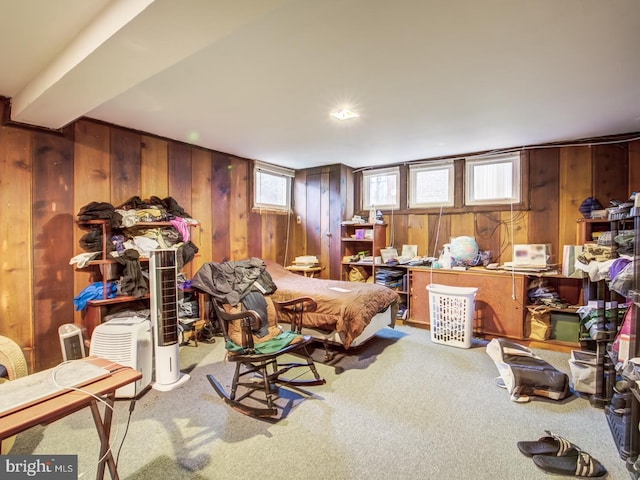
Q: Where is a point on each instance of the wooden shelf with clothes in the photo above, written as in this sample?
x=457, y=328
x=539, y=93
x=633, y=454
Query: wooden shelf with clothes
x=116, y=244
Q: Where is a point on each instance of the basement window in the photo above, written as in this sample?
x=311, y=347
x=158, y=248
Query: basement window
x=381, y=189
x=431, y=184
x=493, y=180
x=272, y=187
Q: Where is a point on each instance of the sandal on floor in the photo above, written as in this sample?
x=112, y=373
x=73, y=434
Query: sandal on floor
x=582, y=466
x=553, y=445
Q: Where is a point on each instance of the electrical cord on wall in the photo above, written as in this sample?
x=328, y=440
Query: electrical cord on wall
x=290, y=212
x=435, y=245
x=392, y=235
x=513, y=272
x=505, y=239
x=584, y=143
x=286, y=242
x=557, y=145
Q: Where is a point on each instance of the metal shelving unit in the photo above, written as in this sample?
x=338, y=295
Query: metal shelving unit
x=633, y=463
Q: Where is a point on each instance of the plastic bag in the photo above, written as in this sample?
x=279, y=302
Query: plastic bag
x=524, y=374
x=583, y=367
x=358, y=274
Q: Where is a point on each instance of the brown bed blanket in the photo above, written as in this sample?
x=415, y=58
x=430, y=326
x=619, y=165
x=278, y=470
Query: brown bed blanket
x=346, y=307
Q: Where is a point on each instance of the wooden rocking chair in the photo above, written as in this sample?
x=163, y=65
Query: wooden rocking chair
x=259, y=366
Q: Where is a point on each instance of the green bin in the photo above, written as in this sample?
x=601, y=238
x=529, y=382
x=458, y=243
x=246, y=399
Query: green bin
x=565, y=327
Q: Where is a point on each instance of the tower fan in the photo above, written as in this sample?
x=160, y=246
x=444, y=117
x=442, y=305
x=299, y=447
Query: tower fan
x=163, y=277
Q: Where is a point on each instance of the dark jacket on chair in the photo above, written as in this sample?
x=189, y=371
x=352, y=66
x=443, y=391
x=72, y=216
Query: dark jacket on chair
x=232, y=282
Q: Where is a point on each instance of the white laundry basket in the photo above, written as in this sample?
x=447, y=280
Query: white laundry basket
x=451, y=314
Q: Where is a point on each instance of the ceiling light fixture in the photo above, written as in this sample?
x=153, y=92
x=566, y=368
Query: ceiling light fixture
x=344, y=114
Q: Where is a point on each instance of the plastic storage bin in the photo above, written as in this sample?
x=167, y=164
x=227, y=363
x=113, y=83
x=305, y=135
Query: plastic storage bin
x=451, y=314
x=565, y=327
x=584, y=370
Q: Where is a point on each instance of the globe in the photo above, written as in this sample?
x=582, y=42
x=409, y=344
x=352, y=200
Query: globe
x=464, y=250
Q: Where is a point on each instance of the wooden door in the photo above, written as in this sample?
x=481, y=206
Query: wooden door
x=316, y=216
x=325, y=209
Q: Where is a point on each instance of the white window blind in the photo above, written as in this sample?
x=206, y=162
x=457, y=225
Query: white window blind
x=493, y=180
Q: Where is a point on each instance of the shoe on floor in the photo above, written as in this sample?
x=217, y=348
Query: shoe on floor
x=581, y=466
x=553, y=445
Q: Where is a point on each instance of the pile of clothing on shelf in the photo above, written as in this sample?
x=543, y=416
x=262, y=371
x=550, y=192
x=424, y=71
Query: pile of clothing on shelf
x=610, y=258
x=541, y=293
x=135, y=228
x=610, y=262
x=129, y=220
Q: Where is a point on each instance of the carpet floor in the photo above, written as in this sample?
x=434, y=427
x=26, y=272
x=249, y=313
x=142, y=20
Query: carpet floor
x=399, y=407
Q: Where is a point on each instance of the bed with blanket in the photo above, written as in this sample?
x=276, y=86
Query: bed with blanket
x=348, y=313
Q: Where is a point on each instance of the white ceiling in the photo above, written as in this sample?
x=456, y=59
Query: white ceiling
x=258, y=78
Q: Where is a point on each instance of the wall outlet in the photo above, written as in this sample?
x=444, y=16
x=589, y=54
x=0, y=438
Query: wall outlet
x=298, y=219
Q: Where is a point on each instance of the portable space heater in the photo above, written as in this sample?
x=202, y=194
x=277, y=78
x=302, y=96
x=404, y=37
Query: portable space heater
x=127, y=341
x=163, y=279
x=71, y=342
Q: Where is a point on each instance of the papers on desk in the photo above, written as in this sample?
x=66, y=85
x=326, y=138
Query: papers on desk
x=25, y=391
x=522, y=268
x=510, y=267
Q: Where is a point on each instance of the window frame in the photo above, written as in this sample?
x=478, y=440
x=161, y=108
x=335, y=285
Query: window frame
x=514, y=159
x=413, y=187
x=274, y=171
x=367, y=175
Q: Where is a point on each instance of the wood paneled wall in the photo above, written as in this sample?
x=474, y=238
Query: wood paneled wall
x=46, y=177
x=560, y=179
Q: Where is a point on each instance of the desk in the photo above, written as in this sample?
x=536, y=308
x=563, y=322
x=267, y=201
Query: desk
x=70, y=401
x=500, y=304
x=501, y=301
x=306, y=271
